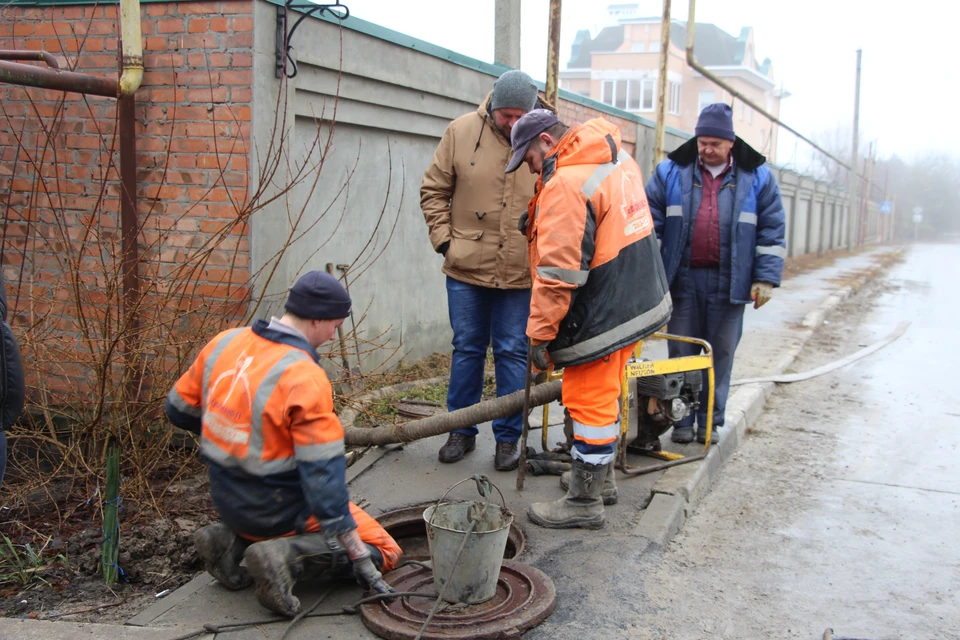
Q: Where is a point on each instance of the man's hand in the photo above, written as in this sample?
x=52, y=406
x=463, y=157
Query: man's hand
x=522, y=224
x=367, y=575
x=539, y=356
x=363, y=568
x=760, y=293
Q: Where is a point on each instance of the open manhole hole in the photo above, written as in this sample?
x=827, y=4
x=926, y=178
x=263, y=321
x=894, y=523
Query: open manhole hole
x=410, y=531
x=524, y=598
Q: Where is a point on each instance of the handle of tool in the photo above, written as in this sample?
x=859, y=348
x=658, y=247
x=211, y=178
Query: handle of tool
x=343, y=342
x=522, y=468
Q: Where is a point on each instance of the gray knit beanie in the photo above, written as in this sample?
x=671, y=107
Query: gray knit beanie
x=514, y=90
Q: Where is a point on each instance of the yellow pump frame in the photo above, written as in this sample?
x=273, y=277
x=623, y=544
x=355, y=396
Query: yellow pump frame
x=638, y=369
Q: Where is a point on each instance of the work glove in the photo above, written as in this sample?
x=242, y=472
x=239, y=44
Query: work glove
x=522, y=224
x=363, y=568
x=443, y=248
x=539, y=356
x=760, y=293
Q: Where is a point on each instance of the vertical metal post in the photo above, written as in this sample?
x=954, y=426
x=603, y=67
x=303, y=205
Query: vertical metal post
x=662, y=83
x=506, y=36
x=553, y=55
x=129, y=230
x=852, y=214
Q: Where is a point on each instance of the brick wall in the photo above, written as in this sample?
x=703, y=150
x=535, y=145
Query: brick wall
x=59, y=188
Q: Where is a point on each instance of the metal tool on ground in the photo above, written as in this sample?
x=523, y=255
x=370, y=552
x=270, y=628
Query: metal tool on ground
x=346, y=375
x=664, y=391
x=353, y=327
x=522, y=465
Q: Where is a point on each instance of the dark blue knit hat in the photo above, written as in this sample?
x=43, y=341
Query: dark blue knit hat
x=716, y=121
x=317, y=295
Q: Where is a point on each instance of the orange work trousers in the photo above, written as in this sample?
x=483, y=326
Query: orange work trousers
x=591, y=393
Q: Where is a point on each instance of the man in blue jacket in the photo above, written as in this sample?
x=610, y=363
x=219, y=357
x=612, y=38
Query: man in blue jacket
x=719, y=219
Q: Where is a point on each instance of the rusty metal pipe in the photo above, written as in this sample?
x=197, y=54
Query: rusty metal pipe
x=129, y=230
x=552, y=88
x=33, y=76
x=26, y=54
x=662, y=84
x=691, y=60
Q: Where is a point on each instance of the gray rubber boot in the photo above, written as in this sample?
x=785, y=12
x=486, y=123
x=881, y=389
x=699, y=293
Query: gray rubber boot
x=581, y=508
x=610, y=494
x=221, y=551
x=277, y=565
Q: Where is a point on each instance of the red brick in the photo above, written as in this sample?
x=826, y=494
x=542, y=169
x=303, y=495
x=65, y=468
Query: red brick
x=219, y=24
x=242, y=77
x=170, y=25
x=23, y=29
x=242, y=24
x=236, y=6
x=237, y=41
x=198, y=25
x=198, y=8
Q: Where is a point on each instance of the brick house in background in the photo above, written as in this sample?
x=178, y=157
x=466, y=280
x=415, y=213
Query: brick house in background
x=619, y=67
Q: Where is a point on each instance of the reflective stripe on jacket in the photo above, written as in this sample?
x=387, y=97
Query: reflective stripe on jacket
x=598, y=283
x=269, y=434
x=757, y=245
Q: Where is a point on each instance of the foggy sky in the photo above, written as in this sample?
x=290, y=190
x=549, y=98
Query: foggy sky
x=907, y=93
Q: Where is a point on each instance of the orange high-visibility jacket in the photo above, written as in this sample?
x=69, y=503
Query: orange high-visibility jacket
x=274, y=446
x=598, y=282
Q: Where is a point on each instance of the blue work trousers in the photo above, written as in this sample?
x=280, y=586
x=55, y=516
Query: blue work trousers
x=702, y=309
x=477, y=316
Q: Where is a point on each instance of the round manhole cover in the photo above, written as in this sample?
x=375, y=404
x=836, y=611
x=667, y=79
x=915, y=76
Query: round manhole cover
x=410, y=531
x=525, y=597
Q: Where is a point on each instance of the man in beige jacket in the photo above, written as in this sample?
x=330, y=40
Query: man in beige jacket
x=472, y=208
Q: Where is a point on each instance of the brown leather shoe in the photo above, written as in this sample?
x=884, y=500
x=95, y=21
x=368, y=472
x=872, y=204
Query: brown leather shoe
x=508, y=456
x=457, y=446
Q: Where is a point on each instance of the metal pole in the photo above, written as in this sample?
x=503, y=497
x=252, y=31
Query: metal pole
x=852, y=216
x=662, y=83
x=129, y=232
x=506, y=37
x=553, y=54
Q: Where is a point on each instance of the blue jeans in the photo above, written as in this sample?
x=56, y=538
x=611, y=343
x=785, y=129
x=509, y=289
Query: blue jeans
x=702, y=309
x=477, y=315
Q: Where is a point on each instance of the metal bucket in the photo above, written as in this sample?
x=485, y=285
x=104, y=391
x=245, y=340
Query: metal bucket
x=466, y=570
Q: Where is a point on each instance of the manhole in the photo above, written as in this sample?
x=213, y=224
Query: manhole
x=525, y=597
x=410, y=531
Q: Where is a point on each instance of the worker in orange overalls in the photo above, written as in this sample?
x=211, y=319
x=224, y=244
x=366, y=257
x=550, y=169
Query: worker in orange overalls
x=598, y=288
x=263, y=408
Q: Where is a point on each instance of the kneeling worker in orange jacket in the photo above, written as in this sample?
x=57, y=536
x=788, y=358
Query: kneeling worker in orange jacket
x=598, y=288
x=263, y=408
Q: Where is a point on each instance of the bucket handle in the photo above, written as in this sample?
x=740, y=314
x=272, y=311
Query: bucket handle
x=483, y=488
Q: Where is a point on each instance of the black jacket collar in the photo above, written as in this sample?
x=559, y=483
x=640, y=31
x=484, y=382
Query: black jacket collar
x=744, y=156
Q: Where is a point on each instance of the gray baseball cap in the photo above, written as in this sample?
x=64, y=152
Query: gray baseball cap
x=525, y=131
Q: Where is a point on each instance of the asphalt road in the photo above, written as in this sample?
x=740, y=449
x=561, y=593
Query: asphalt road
x=842, y=508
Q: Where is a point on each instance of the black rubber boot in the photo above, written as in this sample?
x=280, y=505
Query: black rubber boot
x=609, y=494
x=581, y=508
x=277, y=565
x=221, y=551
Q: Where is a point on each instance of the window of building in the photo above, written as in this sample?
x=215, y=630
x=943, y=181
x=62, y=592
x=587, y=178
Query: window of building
x=706, y=98
x=637, y=47
x=633, y=104
x=654, y=46
x=620, y=95
x=646, y=95
x=674, y=105
x=763, y=139
x=741, y=111
x=749, y=115
x=607, y=94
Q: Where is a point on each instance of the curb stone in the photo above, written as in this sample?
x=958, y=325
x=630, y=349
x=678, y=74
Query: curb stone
x=679, y=490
